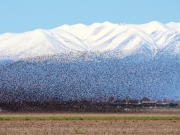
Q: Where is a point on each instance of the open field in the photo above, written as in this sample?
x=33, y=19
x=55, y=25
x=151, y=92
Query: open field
x=90, y=127
x=35, y=117
x=112, y=124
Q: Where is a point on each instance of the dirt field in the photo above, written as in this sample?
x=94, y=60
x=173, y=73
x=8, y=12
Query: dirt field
x=90, y=127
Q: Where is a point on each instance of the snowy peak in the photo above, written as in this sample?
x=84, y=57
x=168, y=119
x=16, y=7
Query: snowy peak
x=149, y=38
x=155, y=26
x=175, y=26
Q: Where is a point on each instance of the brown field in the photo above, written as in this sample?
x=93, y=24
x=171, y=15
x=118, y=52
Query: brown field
x=89, y=127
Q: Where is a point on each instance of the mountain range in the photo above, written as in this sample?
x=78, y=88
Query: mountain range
x=96, y=61
x=150, y=38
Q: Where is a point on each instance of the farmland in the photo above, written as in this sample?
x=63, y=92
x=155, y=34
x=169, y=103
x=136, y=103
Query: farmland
x=89, y=123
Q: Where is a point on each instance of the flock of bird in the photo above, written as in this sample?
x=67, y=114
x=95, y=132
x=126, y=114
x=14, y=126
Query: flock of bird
x=83, y=75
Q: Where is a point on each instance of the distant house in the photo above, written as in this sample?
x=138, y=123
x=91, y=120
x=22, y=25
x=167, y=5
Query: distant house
x=150, y=103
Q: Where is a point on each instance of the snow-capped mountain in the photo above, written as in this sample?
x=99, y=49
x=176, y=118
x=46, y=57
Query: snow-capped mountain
x=100, y=60
x=149, y=38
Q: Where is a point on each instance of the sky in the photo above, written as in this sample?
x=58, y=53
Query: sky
x=18, y=16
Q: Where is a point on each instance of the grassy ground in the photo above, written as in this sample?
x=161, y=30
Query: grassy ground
x=162, y=122
x=22, y=117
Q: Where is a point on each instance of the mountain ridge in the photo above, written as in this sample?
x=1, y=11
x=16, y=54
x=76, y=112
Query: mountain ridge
x=85, y=62
x=150, y=37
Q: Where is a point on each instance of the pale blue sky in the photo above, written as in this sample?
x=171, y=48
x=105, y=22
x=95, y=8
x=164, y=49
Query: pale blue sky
x=25, y=15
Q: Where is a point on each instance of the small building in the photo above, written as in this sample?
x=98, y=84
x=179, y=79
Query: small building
x=150, y=104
